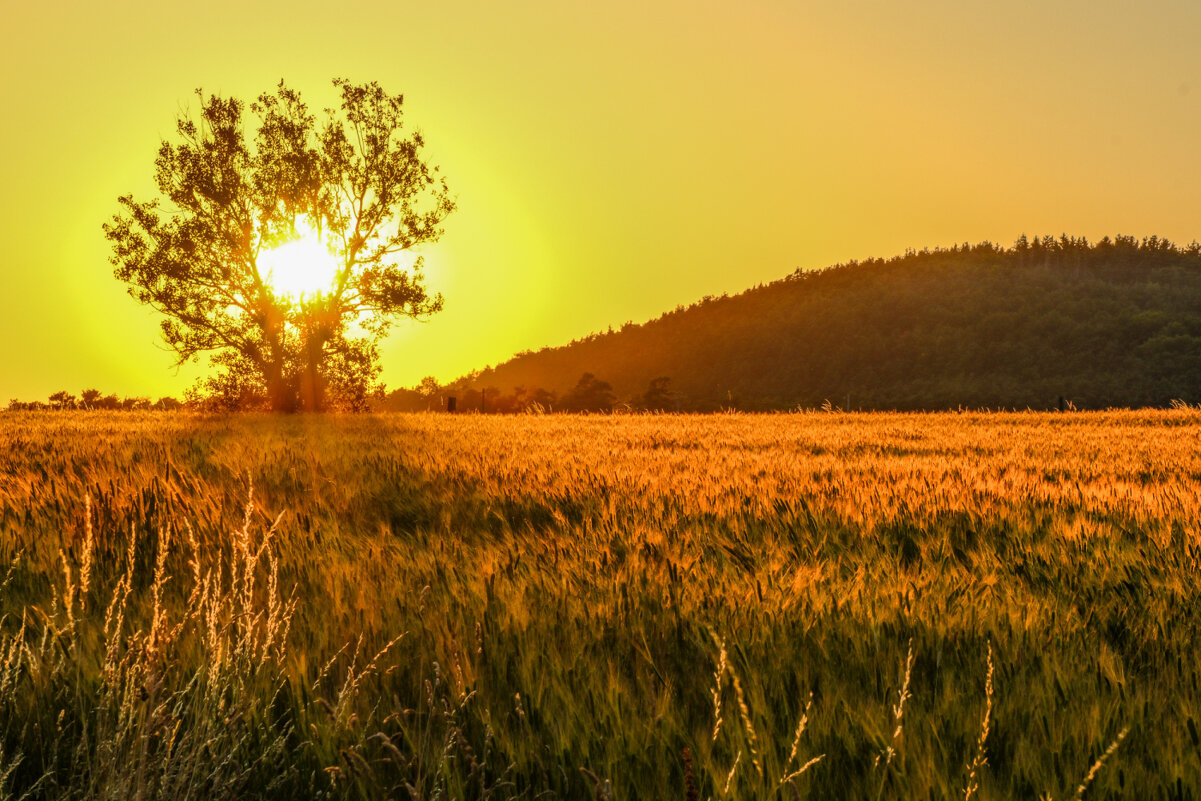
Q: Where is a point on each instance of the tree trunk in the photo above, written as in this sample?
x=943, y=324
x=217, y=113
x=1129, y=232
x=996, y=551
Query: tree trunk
x=279, y=393
x=312, y=380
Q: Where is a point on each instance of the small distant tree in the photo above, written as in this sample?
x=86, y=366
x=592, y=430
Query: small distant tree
x=62, y=400
x=428, y=386
x=90, y=398
x=429, y=391
x=658, y=396
x=590, y=394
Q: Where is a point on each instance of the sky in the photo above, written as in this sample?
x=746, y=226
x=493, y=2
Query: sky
x=610, y=160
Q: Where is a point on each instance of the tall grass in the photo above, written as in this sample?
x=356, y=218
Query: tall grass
x=141, y=690
x=898, y=606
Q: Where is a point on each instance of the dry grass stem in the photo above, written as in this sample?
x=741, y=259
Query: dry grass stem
x=1100, y=763
x=981, y=758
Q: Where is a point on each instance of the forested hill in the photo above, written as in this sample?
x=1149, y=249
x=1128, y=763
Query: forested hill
x=1116, y=323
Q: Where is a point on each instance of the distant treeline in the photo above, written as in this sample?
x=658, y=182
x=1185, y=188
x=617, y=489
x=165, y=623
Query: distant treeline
x=590, y=394
x=1047, y=322
x=94, y=399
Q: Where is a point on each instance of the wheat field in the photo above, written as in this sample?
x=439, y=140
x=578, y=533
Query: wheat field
x=811, y=605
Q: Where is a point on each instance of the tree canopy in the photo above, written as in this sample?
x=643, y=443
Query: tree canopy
x=590, y=394
x=94, y=400
x=354, y=179
x=1111, y=323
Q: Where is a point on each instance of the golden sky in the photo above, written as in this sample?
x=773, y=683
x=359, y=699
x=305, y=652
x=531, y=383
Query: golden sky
x=610, y=159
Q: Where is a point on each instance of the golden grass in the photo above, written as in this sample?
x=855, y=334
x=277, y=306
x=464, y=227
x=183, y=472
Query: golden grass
x=562, y=605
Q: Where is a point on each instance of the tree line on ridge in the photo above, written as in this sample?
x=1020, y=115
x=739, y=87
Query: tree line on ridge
x=1047, y=322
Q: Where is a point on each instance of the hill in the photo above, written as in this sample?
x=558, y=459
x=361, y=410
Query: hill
x=1115, y=323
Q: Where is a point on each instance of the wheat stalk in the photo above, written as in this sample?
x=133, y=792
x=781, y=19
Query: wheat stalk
x=717, y=675
x=981, y=758
x=898, y=712
x=1100, y=763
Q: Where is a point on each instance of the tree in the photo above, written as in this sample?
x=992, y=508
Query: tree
x=428, y=389
x=659, y=397
x=62, y=400
x=197, y=254
x=589, y=395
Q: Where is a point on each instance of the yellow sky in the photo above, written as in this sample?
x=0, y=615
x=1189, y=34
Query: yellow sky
x=610, y=159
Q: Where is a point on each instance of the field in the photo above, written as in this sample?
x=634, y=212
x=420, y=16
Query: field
x=617, y=607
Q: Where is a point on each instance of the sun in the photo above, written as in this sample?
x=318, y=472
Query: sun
x=301, y=268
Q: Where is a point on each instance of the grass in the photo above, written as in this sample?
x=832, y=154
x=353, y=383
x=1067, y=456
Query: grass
x=415, y=606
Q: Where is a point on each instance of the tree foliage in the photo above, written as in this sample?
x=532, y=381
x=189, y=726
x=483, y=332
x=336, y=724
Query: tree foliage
x=590, y=394
x=1111, y=323
x=658, y=396
x=229, y=195
x=94, y=400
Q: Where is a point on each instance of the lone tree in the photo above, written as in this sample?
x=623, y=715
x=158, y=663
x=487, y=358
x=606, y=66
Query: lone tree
x=278, y=255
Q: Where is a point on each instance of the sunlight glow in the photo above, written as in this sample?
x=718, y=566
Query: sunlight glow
x=301, y=268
